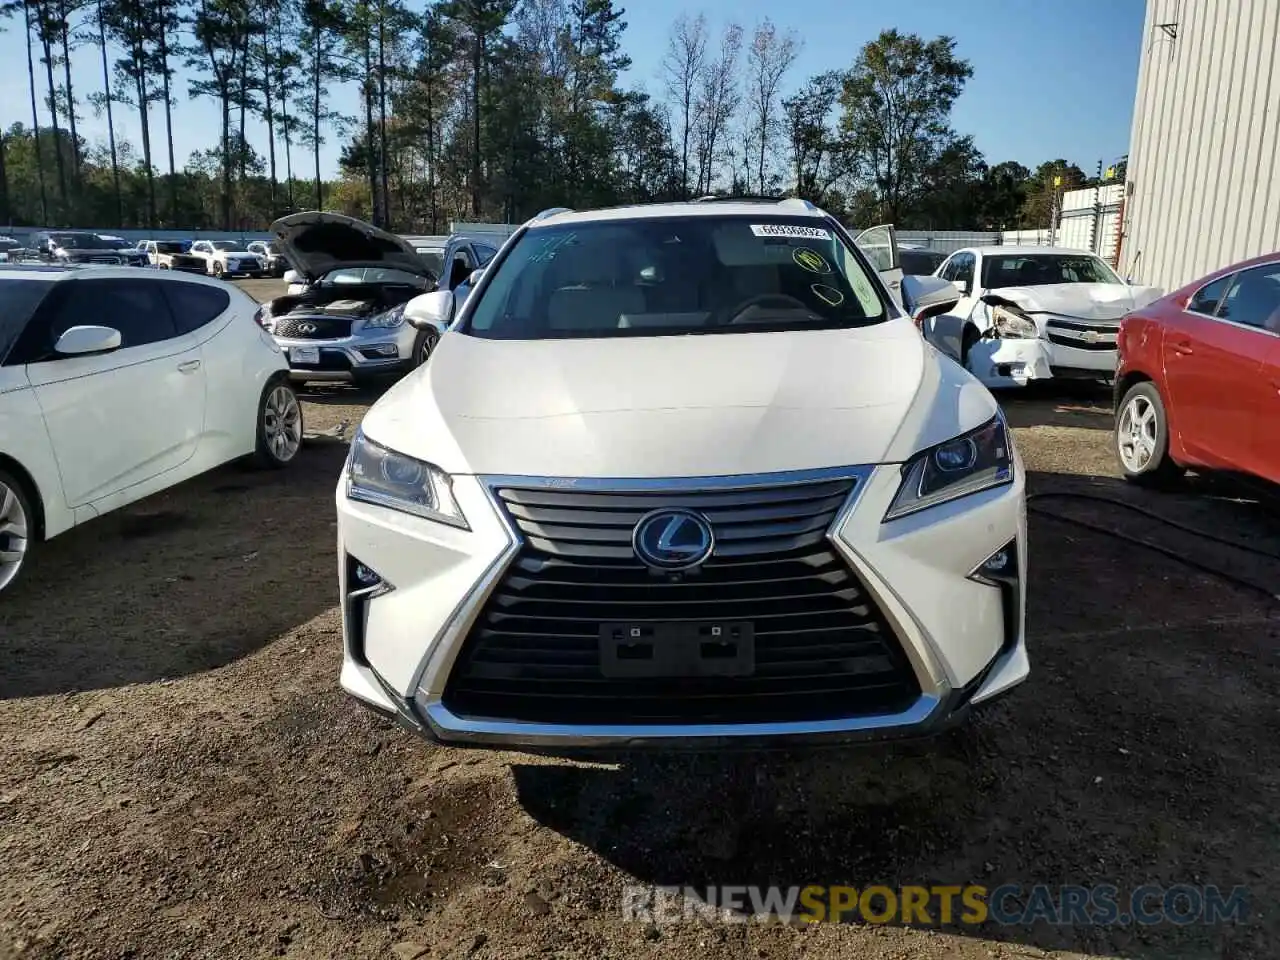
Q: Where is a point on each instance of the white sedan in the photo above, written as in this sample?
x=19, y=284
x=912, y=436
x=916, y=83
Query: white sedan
x=1032, y=313
x=118, y=383
x=682, y=475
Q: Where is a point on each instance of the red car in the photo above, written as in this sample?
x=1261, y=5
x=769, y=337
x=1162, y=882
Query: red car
x=1198, y=383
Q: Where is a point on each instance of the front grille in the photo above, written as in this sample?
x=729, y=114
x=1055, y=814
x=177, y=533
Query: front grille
x=1083, y=334
x=103, y=259
x=325, y=328
x=823, y=649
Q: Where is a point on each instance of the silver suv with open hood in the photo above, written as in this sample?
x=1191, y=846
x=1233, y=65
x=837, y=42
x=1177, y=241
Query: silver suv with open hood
x=353, y=319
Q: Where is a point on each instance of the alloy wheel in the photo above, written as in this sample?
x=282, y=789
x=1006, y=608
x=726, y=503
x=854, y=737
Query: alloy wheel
x=13, y=534
x=1136, y=434
x=282, y=423
x=428, y=344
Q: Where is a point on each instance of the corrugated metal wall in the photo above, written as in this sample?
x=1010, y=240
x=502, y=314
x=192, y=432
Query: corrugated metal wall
x=1204, y=175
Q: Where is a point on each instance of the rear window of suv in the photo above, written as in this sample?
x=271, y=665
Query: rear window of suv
x=676, y=275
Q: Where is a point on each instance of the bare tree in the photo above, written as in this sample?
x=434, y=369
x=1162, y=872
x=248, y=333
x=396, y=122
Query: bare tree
x=683, y=70
x=769, y=58
x=718, y=100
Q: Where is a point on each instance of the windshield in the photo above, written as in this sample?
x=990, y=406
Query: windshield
x=676, y=275
x=18, y=301
x=1038, y=270
x=225, y=245
x=81, y=241
x=171, y=246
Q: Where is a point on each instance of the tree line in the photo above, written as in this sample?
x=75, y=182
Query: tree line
x=481, y=110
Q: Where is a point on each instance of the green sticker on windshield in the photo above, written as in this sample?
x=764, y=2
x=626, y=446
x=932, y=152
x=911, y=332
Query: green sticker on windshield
x=826, y=294
x=810, y=260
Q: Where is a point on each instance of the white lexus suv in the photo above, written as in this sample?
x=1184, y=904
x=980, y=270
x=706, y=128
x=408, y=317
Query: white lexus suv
x=682, y=475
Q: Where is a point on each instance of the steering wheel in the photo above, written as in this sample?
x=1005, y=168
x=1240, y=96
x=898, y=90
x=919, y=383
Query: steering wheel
x=759, y=300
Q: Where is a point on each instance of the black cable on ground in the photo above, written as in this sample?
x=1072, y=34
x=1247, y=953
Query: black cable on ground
x=1158, y=548
x=1151, y=514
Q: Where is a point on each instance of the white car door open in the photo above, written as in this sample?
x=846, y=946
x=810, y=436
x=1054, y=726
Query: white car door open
x=120, y=418
x=880, y=244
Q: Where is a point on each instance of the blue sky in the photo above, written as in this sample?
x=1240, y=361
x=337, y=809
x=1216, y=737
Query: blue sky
x=1049, y=80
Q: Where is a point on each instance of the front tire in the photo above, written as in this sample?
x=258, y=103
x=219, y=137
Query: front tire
x=424, y=344
x=279, y=428
x=1141, y=437
x=17, y=528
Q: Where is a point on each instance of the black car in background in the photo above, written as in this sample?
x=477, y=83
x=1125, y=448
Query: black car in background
x=81, y=246
x=920, y=263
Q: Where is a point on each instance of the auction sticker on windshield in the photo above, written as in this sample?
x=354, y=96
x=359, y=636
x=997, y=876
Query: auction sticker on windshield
x=789, y=230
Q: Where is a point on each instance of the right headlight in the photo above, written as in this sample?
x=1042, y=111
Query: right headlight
x=972, y=462
x=384, y=477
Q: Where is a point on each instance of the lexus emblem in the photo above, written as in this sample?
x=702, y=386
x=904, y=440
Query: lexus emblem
x=307, y=327
x=673, y=539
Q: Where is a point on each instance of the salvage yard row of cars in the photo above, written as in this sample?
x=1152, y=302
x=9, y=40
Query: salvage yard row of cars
x=676, y=474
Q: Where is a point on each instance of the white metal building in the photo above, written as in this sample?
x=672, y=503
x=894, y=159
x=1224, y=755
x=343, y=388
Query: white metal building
x=1204, y=156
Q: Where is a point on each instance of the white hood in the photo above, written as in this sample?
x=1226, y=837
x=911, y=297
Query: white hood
x=710, y=405
x=1084, y=301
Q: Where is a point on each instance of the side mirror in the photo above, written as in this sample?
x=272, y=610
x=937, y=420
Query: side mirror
x=83, y=341
x=919, y=293
x=474, y=279
x=433, y=309
x=291, y=276
x=962, y=286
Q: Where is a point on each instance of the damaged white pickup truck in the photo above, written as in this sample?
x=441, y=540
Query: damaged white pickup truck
x=1031, y=313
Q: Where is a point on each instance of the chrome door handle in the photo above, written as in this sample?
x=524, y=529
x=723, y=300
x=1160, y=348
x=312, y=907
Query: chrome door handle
x=190, y=366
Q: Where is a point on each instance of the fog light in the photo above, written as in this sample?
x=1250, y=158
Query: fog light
x=1001, y=566
x=387, y=349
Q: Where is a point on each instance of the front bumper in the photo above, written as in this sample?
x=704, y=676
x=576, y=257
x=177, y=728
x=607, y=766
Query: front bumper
x=1013, y=362
x=243, y=268
x=372, y=353
x=962, y=637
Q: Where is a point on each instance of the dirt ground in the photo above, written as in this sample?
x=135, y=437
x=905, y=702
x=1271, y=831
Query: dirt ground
x=183, y=777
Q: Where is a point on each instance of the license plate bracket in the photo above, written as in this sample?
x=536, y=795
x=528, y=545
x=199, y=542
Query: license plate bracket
x=701, y=648
x=310, y=355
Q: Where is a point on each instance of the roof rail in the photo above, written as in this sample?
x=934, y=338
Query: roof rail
x=549, y=212
x=735, y=198
x=797, y=202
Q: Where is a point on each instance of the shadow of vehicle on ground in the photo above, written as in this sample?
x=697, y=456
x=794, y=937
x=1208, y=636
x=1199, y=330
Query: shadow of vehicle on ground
x=1140, y=752
x=1065, y=403
x=190, y=579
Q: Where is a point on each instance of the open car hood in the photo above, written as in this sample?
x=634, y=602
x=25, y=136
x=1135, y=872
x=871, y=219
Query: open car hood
x=315, y=242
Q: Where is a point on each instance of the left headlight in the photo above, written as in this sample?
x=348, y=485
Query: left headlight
x=392, y=318
x=972, y=462
x=381, y=476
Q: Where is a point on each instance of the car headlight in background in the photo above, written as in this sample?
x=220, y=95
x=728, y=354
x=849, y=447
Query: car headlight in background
x=389, y=479
x=972, y=462
x=1011, y=325
x=392, y=318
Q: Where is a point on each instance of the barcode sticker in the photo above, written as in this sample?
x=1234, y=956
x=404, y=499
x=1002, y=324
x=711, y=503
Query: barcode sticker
x=789, y=230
